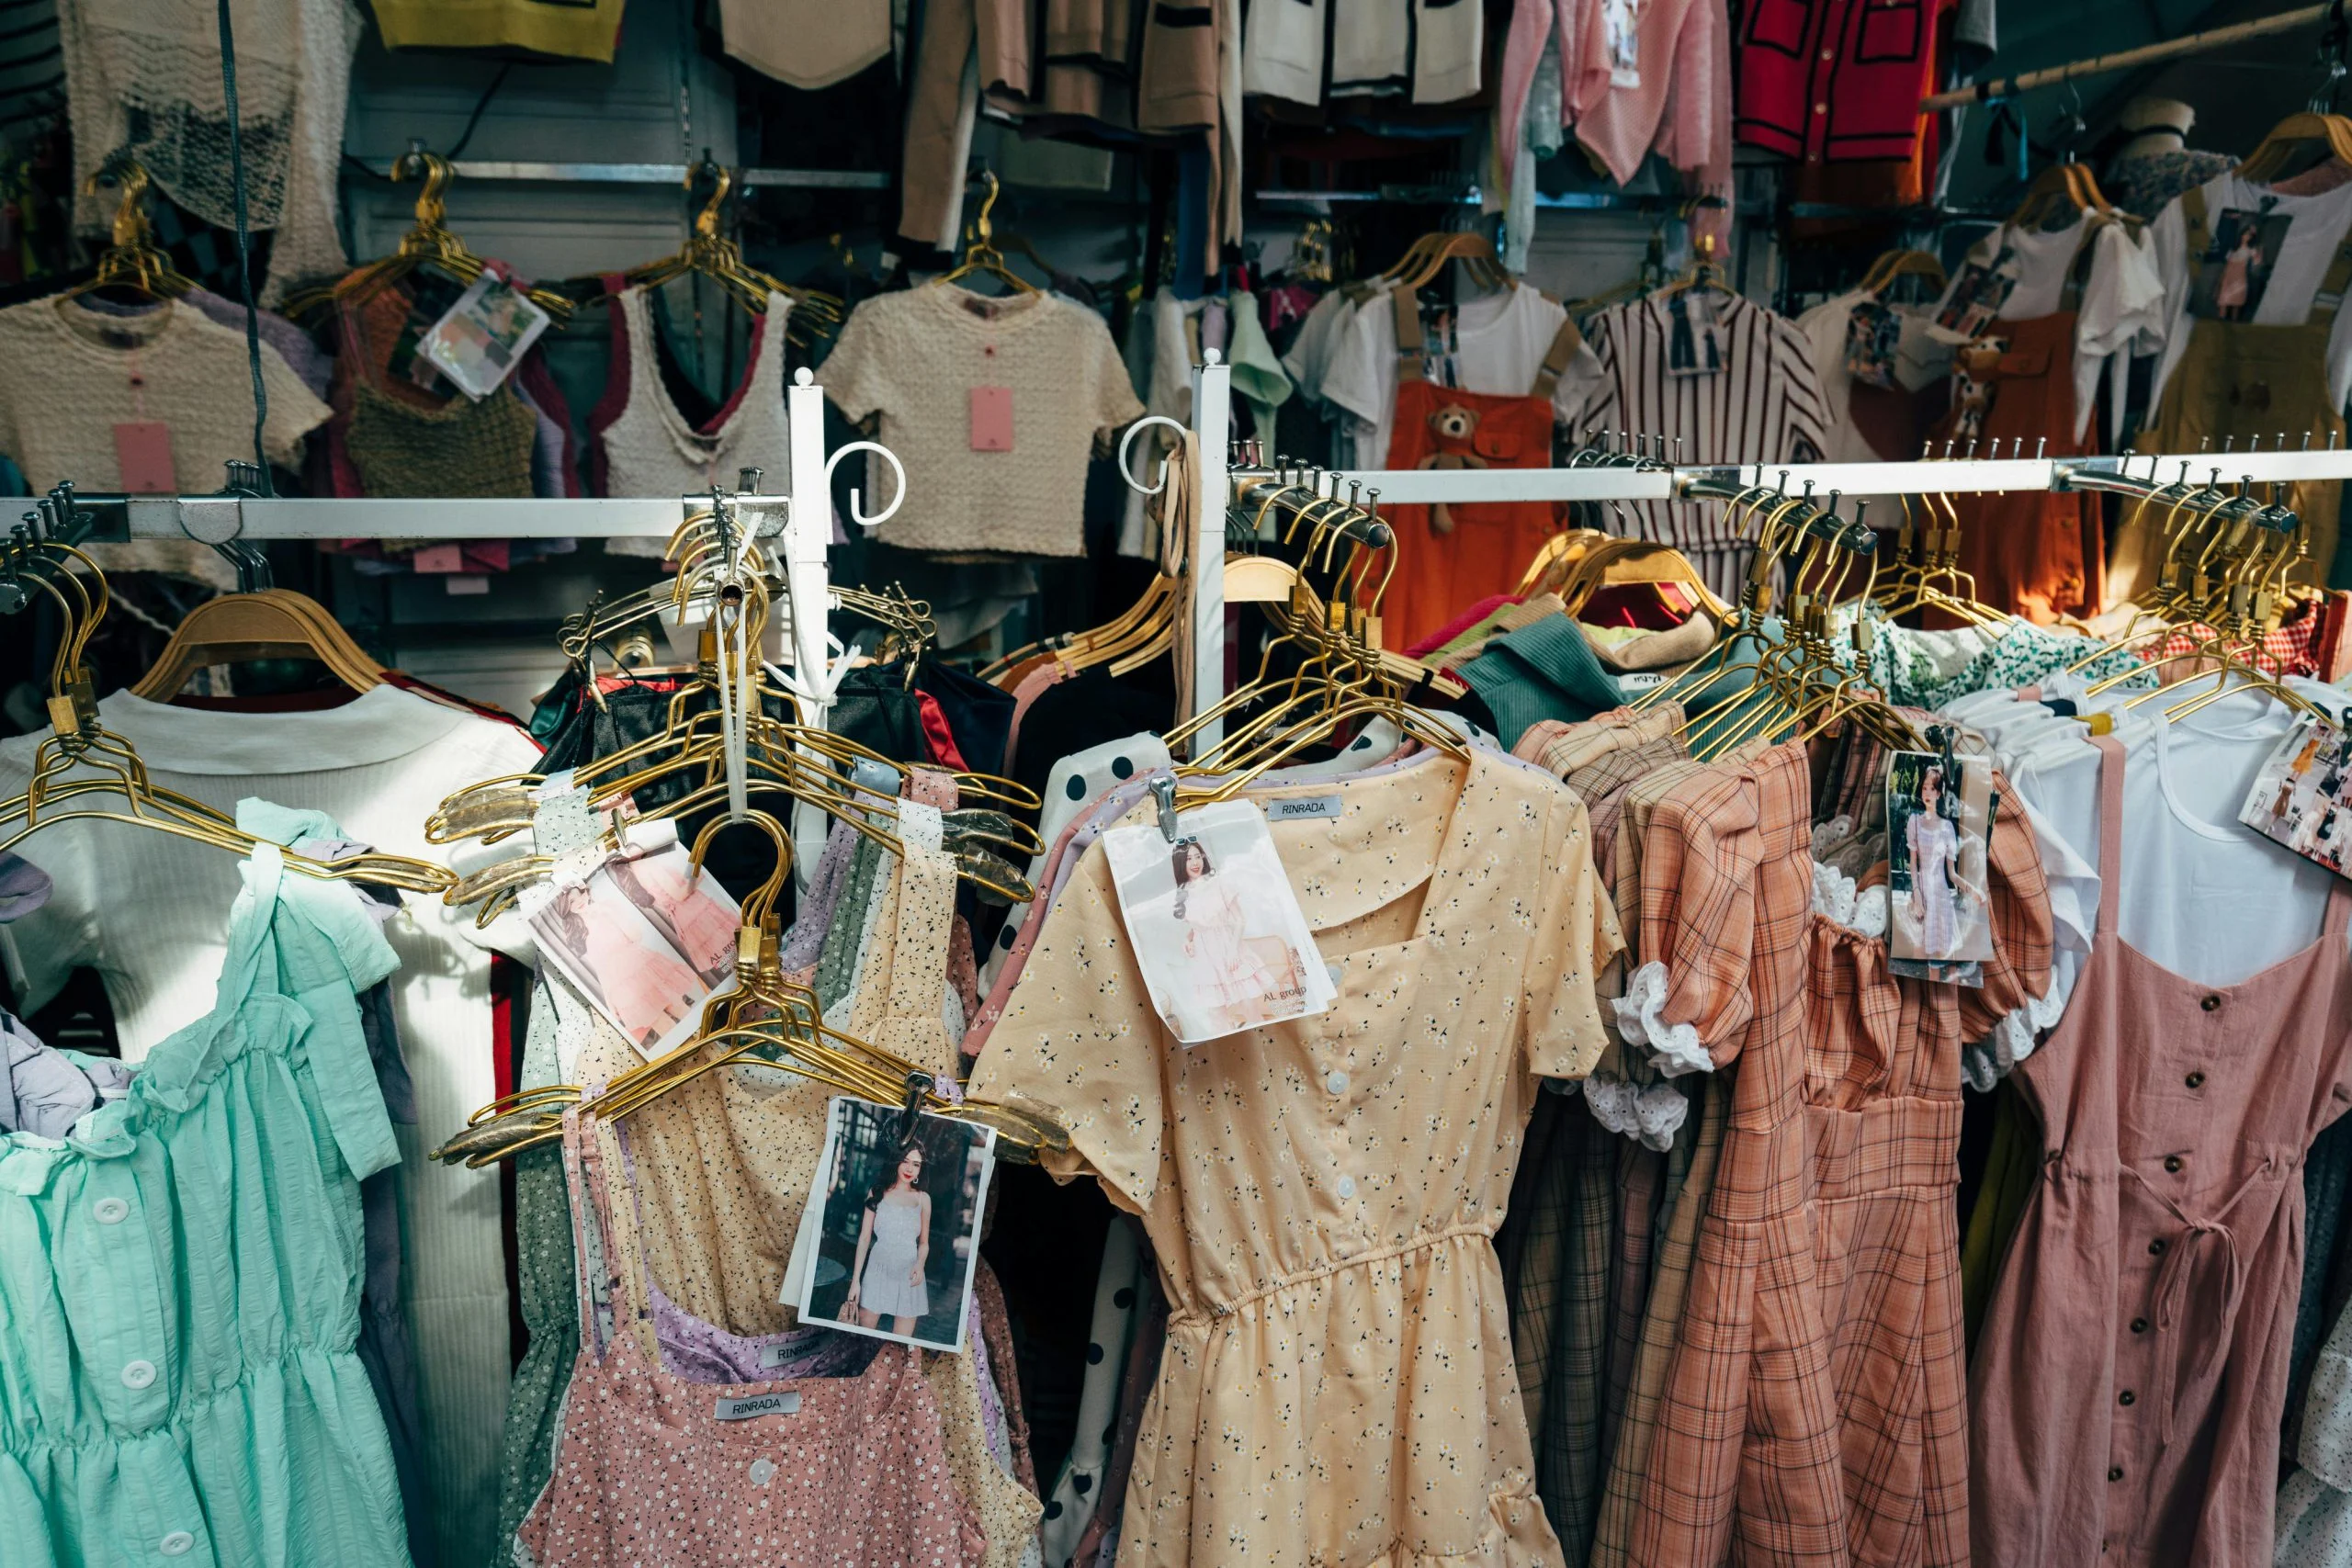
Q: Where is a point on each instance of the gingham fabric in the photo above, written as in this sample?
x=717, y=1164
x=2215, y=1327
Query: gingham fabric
x=2293, y=649
x=1812, y=1412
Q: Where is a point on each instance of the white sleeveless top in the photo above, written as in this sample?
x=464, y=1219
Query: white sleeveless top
x=652, y=451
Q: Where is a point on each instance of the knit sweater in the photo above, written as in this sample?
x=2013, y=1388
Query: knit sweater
x=917, y=358
x=69, y=375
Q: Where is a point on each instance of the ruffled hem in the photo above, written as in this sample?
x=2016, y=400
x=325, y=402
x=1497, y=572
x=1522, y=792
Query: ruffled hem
x=1834, y=899
x=1650, y=1114
x=2012, y=1040
x=1674, y=1048
x=1517, y=1533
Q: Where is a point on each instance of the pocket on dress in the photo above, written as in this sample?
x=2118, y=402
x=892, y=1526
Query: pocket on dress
x=1889, y=32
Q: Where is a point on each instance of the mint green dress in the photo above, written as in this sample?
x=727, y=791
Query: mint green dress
x=179, y=1277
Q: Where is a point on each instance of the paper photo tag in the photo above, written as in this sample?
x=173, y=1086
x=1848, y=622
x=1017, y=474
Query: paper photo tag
x=645, y=942
x=1978, y=294
x=1938, y=823
x=484, y=336
x=896, y=1213
x=2233, y=272
x=142, y=455
x=1213, y=924
x=2302, y=796
x=992, y=419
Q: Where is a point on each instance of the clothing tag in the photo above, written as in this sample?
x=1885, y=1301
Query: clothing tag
x=142, y=455
x=1694, y=342
x=645, y=941
x=2302, y=796
x=1978, y=294
x=1622, y=19
x=992, y=419
x=1873, y=329
x=893, y=1223
x=438, y=558
x=773, y=1355
x=1214, y=924
x=784, y=1402
x=1938, y=821
x=2228, y=280
x=1306, y=806
x=465, y=584
x=1642, y=679
x=484, y=335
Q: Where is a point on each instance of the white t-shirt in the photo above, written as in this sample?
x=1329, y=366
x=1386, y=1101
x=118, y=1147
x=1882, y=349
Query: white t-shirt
x=1922, y=355
x=150, y=913
x=1499, y=342
x=2121, y=302
x=2315, y=227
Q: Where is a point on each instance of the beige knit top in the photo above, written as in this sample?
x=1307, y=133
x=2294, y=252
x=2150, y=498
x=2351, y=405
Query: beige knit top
x=916, y=357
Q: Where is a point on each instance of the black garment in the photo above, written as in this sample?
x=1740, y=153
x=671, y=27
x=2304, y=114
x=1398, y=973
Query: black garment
x=978, y=716
x=1091, y=707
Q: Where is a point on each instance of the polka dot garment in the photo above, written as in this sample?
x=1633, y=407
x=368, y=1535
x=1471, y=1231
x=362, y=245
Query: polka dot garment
x=1338, y=1385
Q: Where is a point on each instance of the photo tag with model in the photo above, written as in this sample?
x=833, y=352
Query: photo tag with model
x=1939, y=820
x=1978, y=294
x=896, y=1215
x=2232, y=274
x=484, y=336
x=645, y=942
x=1214, y=924
x=2302, y=796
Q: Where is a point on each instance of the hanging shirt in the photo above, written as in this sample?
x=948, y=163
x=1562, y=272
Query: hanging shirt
x=1919, y=358
x=1655, y=78
x=2287, y=283
x=1837, y=80
x=1431, y=48
x=1762, y=404
x=1496, y=346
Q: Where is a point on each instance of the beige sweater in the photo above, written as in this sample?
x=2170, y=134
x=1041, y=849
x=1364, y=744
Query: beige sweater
x=915, y=357
x=69, y=375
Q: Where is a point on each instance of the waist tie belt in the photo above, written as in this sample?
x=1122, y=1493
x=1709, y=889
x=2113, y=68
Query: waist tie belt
x=2172, y=1276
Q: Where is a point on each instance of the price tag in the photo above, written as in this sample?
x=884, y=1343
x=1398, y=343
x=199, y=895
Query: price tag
x=142, y=455
x=992, y=419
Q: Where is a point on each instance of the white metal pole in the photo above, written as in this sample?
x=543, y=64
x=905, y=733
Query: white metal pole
x=808, y=534
x=1212, y=416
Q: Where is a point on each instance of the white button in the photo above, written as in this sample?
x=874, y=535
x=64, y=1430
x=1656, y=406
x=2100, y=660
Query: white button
x=138, y=1374
x=1347, y=1187
x=1821, y=108
x=1337, y=1082
x=110, y=1210
x=1335, y=971
x=762, y=1471
x=179, y=1543
x=1824, y=54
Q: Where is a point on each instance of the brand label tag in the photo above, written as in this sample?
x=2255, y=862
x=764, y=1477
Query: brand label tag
x=787, y=1402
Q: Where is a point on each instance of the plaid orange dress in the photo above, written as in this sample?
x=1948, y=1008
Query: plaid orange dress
x=1815, y=1411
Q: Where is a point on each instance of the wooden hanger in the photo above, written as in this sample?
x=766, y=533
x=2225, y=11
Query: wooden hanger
x=1893, y=264
x=2298, y=142
x=1427, y=257
x=2063, y=189
x=239, y=628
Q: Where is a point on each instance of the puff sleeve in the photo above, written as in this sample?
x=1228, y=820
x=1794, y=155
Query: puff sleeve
x=2023, y=932
x=1700, y=854
x=1573, y=938
x=1080, y=1037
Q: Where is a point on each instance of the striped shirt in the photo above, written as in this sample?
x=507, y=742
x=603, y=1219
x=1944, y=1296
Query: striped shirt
x=1763, y=405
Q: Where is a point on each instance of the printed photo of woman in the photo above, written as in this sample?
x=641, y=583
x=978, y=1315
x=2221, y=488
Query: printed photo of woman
x=894, y=1247
x=1933, y=834
x=898, y=1235
x=697, y=916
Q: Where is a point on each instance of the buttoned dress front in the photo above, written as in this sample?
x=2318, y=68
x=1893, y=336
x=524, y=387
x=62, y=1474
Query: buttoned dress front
x=2132, y=1373
x=180, y=1276
x=1338, y=1387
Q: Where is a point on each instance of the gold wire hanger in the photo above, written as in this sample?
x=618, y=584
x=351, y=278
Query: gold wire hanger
x=134, y=261
x=428, y=242
x=981, y=255
x=709, y=252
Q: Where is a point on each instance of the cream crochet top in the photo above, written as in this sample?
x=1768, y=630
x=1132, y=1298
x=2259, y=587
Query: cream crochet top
x=916, y=357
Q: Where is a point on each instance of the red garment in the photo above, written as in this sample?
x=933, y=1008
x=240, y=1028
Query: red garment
x=2131, y=1372
x=1461, y=623
x=1834, y=80
x=1489, y=547
x=936, y=737
x=2040, y=553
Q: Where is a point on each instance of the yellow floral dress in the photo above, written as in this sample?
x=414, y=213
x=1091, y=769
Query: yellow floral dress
x=1337, y=1389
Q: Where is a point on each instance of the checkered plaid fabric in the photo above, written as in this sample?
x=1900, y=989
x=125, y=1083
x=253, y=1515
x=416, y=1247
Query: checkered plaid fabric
x=1813, y=1408
x=2293, y=649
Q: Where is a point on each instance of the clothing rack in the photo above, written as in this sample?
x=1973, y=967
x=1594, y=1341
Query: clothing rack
x=2124, y=59
x=645, y=175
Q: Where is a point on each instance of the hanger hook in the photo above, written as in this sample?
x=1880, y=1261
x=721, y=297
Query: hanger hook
x=706, y=221
x=1127, y=442
x=981, y=225
x=856, y=502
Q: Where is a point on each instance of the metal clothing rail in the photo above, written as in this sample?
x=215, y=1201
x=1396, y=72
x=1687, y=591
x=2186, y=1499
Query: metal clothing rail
x=645, y=175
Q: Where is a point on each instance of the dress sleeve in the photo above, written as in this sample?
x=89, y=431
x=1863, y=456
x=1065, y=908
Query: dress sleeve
x=1081, y=1038
x=2018, y=971
x=1575, y=937
x=1699, y=866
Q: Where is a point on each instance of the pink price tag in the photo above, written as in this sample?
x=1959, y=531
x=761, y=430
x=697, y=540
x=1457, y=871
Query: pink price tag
x=142, y=455
x=992, y=419
x=438, y=558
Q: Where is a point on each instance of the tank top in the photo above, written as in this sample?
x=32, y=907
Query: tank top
x=652, y=449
